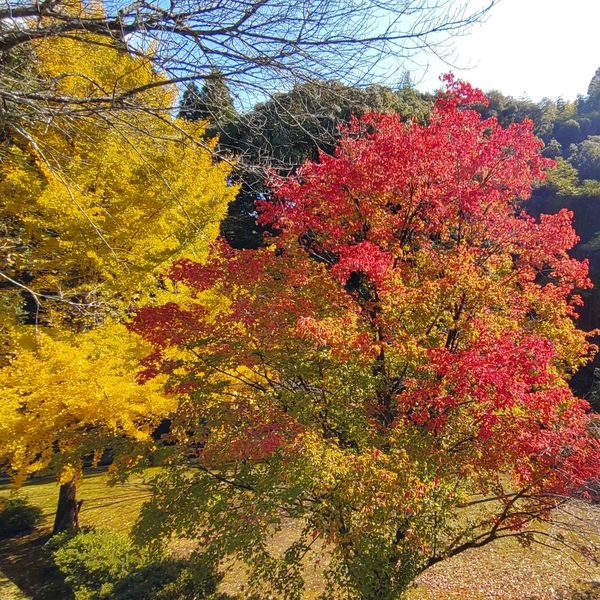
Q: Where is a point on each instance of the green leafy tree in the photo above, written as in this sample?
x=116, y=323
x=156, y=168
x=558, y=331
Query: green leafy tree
x=593, y=93
x=568, y=132
x=511, y=110
x=553, y=149
x=586, y=158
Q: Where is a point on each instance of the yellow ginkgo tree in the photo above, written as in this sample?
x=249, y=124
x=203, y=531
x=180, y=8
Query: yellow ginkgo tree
x=94, y=207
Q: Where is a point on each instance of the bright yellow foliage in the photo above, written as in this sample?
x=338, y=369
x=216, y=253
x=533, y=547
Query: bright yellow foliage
x=67, y=398
x=95, y=206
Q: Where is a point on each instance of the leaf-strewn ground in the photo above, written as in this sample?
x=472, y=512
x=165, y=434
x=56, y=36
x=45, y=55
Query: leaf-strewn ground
x=504, y=571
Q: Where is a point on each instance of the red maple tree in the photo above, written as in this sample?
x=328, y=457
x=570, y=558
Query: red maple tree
x=398, y=353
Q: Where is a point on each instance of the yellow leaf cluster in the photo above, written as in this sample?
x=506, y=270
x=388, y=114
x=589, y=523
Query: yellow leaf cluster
x=68, y=395
x=96, y=205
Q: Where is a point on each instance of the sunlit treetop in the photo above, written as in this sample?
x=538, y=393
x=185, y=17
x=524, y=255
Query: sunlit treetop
x=96, y=204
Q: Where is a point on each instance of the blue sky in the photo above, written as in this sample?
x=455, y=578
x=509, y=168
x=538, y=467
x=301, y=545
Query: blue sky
x=526, y=48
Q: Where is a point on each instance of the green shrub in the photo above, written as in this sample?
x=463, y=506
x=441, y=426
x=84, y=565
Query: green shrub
x=102, y=564
x=93, y=561
x=17, y=517
x=193, y=579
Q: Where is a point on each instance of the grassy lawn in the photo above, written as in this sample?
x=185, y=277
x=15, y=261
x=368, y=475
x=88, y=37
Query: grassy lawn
x=22, y=560
x=9, y=591
x=502, y=571
x=115, y=506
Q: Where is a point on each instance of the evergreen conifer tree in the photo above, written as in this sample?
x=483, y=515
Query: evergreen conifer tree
x=212, y=103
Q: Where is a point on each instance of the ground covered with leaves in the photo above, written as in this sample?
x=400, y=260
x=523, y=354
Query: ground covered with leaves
x=501, y=571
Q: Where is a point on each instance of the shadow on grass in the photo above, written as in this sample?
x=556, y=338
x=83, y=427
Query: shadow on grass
x=24, y=561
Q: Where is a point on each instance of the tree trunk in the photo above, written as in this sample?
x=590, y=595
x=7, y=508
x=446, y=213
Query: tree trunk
x=67, y=511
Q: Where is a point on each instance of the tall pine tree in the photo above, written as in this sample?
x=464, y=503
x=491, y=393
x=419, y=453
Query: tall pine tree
x=212, y=103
